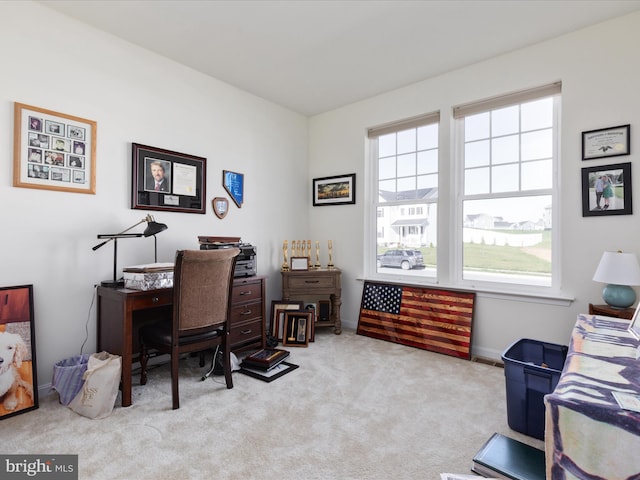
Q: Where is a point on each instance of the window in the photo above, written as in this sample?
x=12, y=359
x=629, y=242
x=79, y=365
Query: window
x=508, y=150
x=498, y=223
x=406, y=195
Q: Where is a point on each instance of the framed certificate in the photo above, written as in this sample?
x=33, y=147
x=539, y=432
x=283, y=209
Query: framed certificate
x=606, y=142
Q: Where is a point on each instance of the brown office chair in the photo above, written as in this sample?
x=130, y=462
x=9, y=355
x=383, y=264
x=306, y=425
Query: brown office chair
x=202, y=285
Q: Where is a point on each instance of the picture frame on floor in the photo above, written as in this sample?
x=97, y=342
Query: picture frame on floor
x=269, y=375
x=296, y=329
x=53, y=151
x=311, y=308
x=278, y=308
x=17, y=336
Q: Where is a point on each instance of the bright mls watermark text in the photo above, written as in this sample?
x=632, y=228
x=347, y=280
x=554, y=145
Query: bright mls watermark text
x=52, y=467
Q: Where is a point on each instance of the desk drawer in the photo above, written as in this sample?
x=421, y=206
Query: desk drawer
x=246, y=332
x=152, y=298
x=245, y=312
x=246, y=292
x=311, y=281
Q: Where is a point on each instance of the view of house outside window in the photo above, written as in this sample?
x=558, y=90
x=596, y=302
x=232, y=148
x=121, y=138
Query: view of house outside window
x=407, y=201
x=500, y=228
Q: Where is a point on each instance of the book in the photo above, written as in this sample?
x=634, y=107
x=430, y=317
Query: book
x=219, y=240
x=505, y=458
x=265, y=359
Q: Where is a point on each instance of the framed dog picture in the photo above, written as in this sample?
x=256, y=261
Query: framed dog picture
x=18, y=384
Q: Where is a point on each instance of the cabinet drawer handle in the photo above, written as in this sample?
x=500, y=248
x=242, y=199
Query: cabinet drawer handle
x=311, y=281
x=246, y=312
x=246, y=332
x=248, y=292
x=155, y=299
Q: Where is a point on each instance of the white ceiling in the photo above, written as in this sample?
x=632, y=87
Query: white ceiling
x=312, y=56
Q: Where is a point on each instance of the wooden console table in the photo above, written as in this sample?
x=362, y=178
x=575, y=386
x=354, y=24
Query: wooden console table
x=121, y=312
x=314, y=283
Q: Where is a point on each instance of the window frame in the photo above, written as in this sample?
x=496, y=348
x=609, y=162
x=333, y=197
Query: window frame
x=460, y=112
x=371, y=194
x=449, y=203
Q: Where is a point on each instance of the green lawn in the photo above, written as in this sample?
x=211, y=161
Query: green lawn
x=497, y=258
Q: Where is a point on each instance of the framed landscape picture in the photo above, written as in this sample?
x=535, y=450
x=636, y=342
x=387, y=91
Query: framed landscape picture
x=336, y=190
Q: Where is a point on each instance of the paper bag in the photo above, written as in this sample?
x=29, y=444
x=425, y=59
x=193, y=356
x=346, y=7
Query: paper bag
x=100, y=389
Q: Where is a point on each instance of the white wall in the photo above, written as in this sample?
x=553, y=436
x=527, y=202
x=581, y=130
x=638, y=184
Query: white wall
x=56, y=63
x=600, y=74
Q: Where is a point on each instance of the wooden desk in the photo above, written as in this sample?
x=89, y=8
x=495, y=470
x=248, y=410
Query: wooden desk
x=121, y=312
x=297, y=285
x=607, y=311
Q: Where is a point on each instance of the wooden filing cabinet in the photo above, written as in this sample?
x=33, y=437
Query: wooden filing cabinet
x=248, y=313
x=311, y=283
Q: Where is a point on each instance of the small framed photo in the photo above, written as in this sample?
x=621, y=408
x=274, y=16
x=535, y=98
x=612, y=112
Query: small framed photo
x=337, y=190
x=606, y=142
x=299, y=263
x=52, y=140
x=634, y=326
x=19, y=385
x=168, y=181
x=278, y=309
x=606, y=190
x=296, y=329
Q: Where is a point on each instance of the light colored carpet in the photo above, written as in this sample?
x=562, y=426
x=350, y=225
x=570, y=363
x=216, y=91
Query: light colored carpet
x=357, y=408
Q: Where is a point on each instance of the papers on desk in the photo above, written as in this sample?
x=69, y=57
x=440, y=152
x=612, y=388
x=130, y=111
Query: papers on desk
x=149, y=268
x=627, y=401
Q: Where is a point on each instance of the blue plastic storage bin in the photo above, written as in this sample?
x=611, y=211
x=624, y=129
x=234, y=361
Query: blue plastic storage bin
x=532, y=370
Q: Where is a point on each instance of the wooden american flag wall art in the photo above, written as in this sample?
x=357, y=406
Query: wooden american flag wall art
x=431, y=319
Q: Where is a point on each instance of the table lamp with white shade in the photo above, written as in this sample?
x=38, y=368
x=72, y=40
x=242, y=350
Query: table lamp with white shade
x=619, y=270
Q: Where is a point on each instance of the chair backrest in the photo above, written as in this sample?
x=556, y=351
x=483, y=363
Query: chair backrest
x=202, y=283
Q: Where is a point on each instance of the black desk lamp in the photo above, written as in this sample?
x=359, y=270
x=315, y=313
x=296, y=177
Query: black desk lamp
x=152, y=229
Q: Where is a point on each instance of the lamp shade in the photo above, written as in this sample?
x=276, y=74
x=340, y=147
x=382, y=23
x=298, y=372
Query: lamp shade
x=153, y=228
x=619, y=270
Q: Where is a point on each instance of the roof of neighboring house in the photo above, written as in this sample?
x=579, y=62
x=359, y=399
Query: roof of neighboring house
x=410, y=222
x=419, y=194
